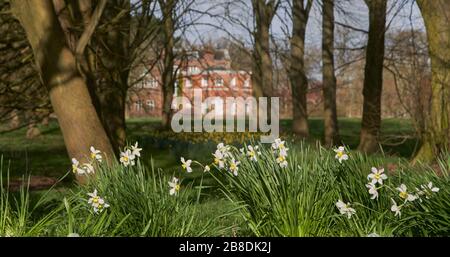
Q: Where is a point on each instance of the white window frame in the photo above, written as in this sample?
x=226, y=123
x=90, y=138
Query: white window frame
x=138, y=105
x=218, y=82
x=247, y=83
x=233, y=82
x=151, y=104
x=153, y=82
x=204, y=82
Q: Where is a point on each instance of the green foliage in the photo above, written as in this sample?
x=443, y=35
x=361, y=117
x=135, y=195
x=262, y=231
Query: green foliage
x=300, y=200
x=139, y=205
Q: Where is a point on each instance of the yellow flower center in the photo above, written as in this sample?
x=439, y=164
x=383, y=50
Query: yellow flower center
x=233, y=166
x=125, y=158
x=403, y=195
x=95, y=199
x=74, y=168
x=281, y=158
x=216, y=161
x=340, y=154
x=93, y=156
x=184, y=166
x=251, y=154
x=377, y=176
x=177, y=187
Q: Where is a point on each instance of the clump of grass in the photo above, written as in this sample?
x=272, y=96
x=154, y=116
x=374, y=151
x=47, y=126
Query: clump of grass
x=18, y=215
x=300, y=199
x=139, y=205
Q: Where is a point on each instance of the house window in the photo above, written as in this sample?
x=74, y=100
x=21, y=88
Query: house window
x=153, y=83
x=151, y=104
x=138, y=106
x=218, y=82
x=188, y=83
x=193, y=70
x=204, y=82
x=233, y=82
x=247, y=83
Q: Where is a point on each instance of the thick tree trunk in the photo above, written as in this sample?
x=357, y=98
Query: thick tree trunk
x=329, y=79
x=262, y=61
x=112, y=88
x=105, y=63
x=373, y=77
x=168, y=76
x=69, y=95
x=436, y=15
x=297, y=74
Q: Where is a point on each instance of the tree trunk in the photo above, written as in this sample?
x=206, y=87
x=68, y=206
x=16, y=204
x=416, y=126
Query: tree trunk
x=297, y=75
x=168, y=76
x=373, y=77
x=262, y=61
x=329, y=79
x=436, y=15
x=105, y=63
x=69, y=95
x=114, y=70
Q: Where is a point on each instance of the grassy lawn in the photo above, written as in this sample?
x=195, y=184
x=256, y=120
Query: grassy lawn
x=46, y=155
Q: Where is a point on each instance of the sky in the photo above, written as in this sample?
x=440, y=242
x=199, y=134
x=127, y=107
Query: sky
x=401, y=15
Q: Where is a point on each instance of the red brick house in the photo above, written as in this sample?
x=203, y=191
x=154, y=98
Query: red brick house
x=207, y=69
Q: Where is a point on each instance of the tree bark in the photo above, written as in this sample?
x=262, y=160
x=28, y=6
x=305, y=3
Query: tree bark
x=102, y=56
x=262, y=74
x=373, y=77
x=114, y=70
x=436, y=140
x=168, y=76
x=331, y=130
x=297, y=74
x=69, y=95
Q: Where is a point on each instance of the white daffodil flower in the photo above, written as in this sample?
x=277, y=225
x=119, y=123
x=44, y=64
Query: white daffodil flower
x=135, y=150
x=372, y=190
x=395, y=208
x=87, y=168
x=281, y=160
x=95, y=154
x=430, y=187
x=234, y=166
x=404, y=193
x=284, y=152
x=76, y=167
x=340, y=154
x=127, y=158
x=377, y=176
x=278, y=144
x=345, y=209
x=207, y=168
x=97, y=202
x=186, y=165
x=427, y=190
x=253, y=152
x=224, y=149
x=219, y=159
x=174, y=186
